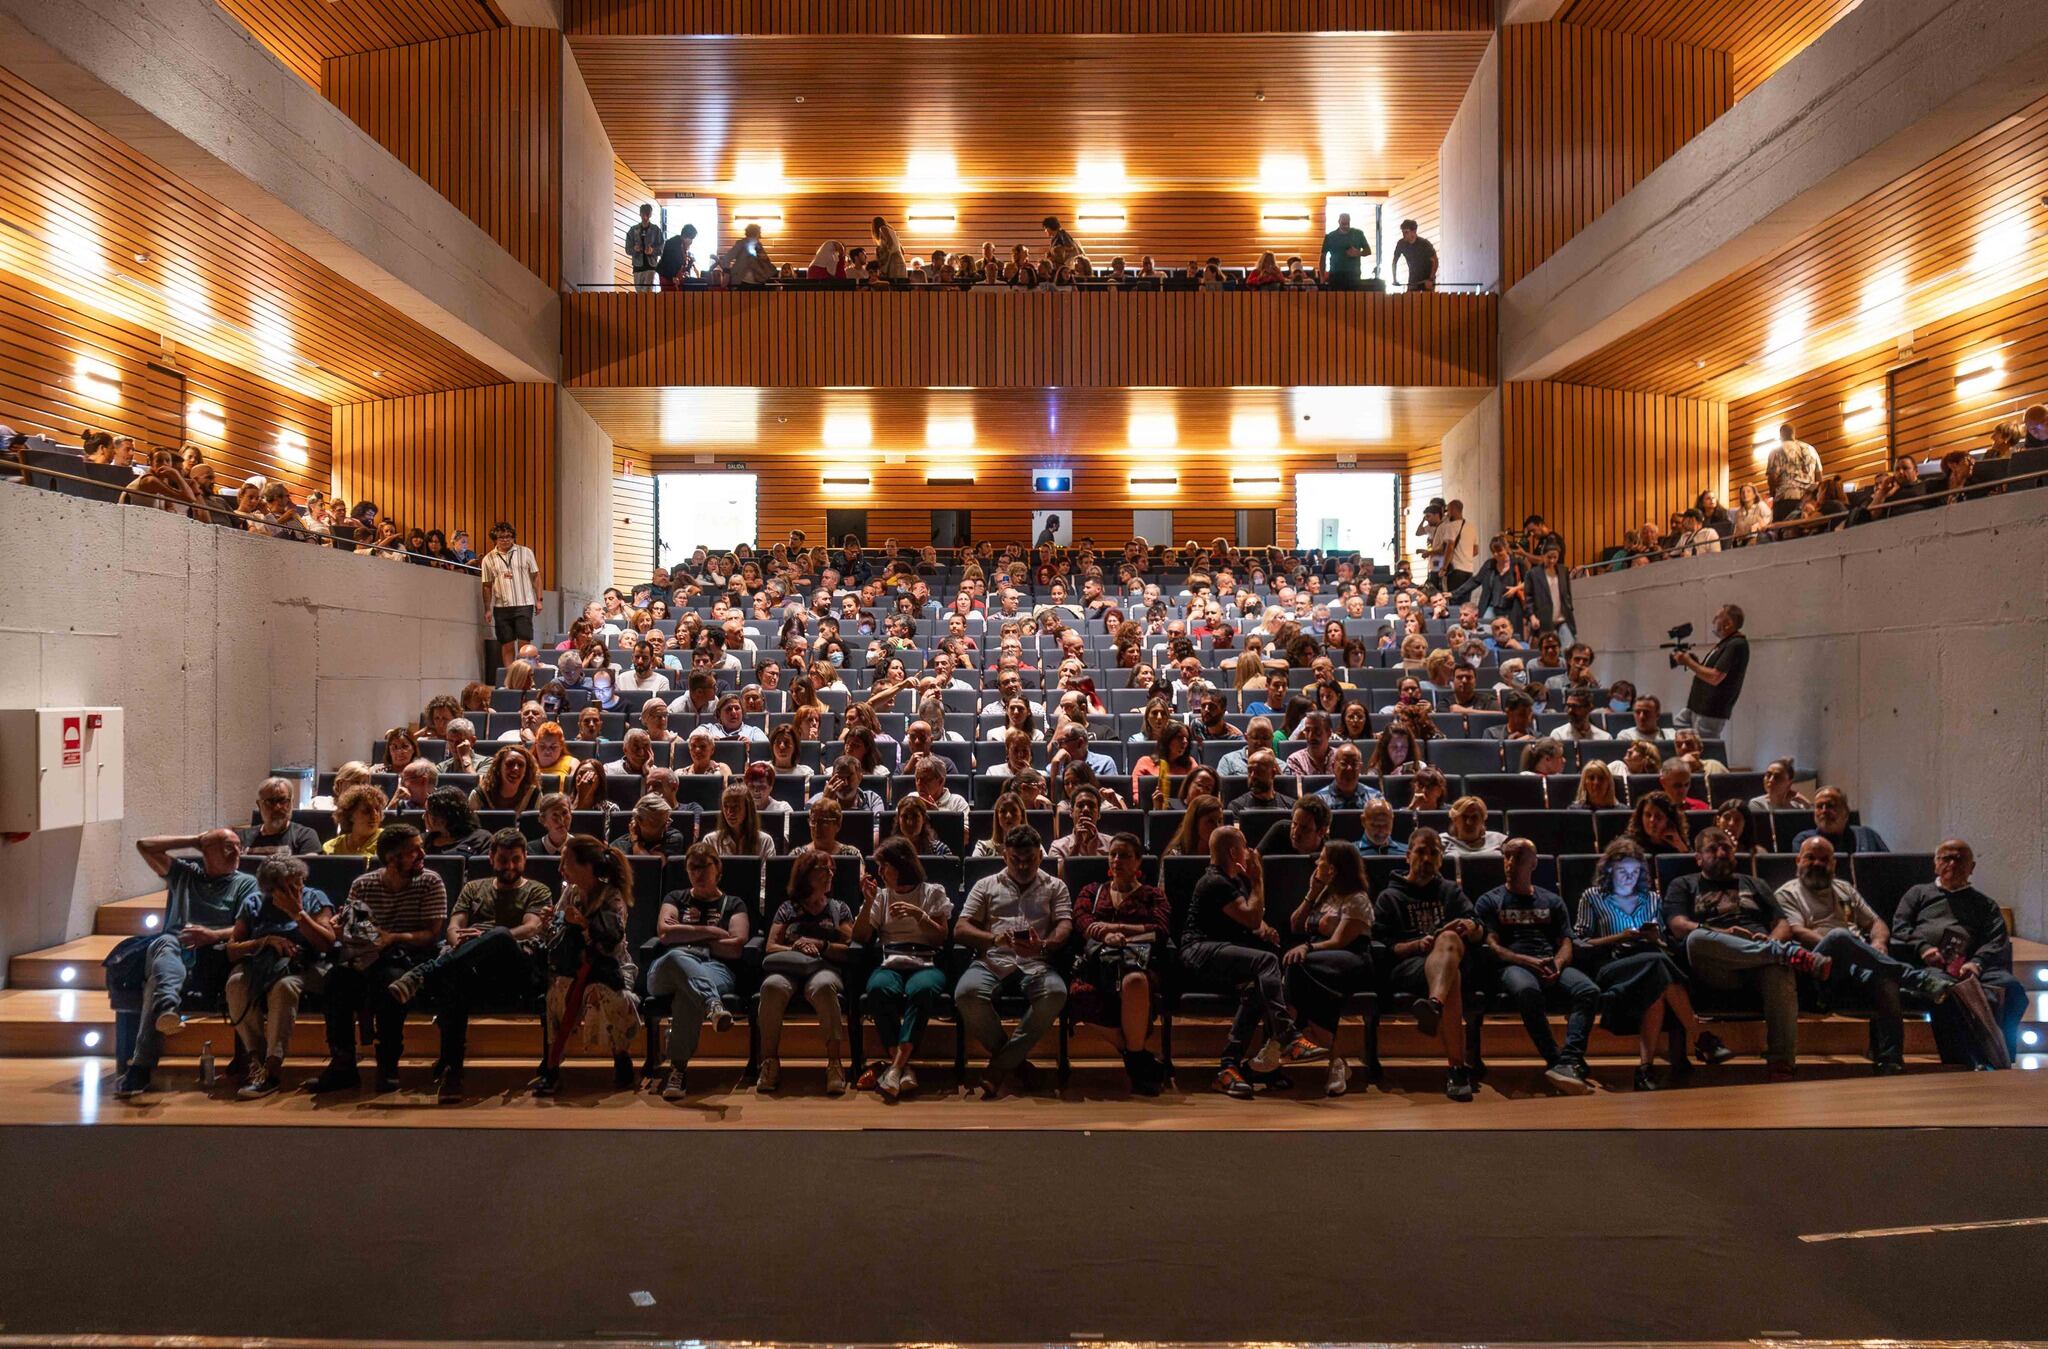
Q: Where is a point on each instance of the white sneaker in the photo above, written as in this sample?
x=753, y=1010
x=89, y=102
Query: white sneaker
x=721, y=1018
x=1339, y=1080
x=835, y=1079
x=907, y=1082
x=169, y=1023
x=1268, y=1057
x=888, y=1083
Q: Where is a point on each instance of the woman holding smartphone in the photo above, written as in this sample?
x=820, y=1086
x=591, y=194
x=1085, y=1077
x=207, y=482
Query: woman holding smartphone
x=914, y=919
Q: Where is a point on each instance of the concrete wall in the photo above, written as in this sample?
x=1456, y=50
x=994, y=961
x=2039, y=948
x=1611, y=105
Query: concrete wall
x=1468, y=172
x=1903, y=661
x=583, y=489
x=1472, y=467
x=587, y=231
x=230, y=653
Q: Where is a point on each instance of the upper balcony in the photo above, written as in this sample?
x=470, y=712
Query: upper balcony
x=959, y=18
x=933, y=338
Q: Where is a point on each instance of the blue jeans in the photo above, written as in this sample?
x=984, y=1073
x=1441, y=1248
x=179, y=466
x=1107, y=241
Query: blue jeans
x=900, y=1002
x=975, y=996
x=693, y=983
x=1861, y=967
x=163, y=989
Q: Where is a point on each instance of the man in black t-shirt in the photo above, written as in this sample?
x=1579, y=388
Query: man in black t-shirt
x=1228, y=941
x=1429, y=928
x=278, y=835
x=1420, y=256
x=1717, y=678
x=1529, y=933
x=1736, y=937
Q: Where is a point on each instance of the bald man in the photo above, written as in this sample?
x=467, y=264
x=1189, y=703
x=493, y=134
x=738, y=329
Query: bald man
x=200, y=902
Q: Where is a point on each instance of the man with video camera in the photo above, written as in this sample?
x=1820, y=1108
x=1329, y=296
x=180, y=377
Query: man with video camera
x=1717, y=678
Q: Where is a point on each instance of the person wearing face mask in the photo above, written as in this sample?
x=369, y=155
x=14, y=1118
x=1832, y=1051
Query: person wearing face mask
x=1829, y=917
x=1621, y=939
x=1734, y=936
x=1621, y=696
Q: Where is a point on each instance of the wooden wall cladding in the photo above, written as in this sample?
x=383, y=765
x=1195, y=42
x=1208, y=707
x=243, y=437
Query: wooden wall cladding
x=477, y=117
x=305, y=33
x=464, y=459
x=1174, y=227
x=633, y=520
x=1586, y=114
x=826, y=17
x=1934, y=414
x=1006, y=340
x=84, y=214
x=1758, y=35
x=628, y=195
x=1422, y=478
x=43, y=338
x=1597, y=462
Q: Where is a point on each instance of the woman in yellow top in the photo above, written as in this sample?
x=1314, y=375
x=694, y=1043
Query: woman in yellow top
x=360, y=817
x=551, y=753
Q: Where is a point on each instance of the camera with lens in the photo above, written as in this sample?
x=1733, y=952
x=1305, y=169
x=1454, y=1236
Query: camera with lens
x=1678, y=645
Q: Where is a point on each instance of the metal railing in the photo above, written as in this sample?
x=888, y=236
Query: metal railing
x=102, y=490
x=1934, y=495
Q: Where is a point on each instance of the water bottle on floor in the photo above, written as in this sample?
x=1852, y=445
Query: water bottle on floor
x=206, y=1072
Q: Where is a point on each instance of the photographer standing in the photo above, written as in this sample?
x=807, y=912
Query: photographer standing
x=1717, y=680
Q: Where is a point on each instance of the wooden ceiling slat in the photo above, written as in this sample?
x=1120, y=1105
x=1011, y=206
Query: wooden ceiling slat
x=1759, y=35
x=305, y=33
x=1226, y=18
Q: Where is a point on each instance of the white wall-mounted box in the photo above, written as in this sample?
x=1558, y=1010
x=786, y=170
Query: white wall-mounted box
x=59, y=767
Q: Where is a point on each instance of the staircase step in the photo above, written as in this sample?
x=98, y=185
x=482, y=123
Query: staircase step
x=127, y=917
x=49, y=968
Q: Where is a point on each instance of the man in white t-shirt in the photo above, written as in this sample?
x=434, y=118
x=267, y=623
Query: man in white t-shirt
x=1456, y=545
x=511, y=580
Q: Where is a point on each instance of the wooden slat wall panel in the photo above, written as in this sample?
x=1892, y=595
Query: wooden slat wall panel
x=42, y=337
x=477, y=117
x=304, y=33
x=1221, y=17
x=458, y=460
x=1943, y=238
x=1933, y=417
x=61, y=177
x=1422, y=479
x=1758, y=35
x=1418, y=197
x=1597, y=462
x=1586, y=114
x=1006, y=340
x=1361, y=110
x=628, y=195
x=1174, y=227
x=632, y=516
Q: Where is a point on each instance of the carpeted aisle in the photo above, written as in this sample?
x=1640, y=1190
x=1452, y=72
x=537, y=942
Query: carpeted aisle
x=443, y=1234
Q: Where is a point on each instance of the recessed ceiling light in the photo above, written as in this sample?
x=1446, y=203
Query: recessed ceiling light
x=1259, y=96
x=799, y=98
x=142, y=257
x=376, y=374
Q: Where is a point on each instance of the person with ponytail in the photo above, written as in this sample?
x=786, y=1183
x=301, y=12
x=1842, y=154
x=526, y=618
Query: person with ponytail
x=590, y=968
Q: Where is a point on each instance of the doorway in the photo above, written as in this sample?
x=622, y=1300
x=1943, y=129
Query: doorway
x=952, y=529
x=1351, y=512
x=703, y=510
x=843, y=520
x=1258, y=528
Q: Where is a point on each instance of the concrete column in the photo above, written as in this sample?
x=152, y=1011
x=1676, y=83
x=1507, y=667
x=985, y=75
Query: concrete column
x=1468, y=180
x=1472, y=467
x=583, y=496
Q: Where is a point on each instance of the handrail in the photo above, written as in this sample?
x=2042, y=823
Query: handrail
x=1101, y=283
x=26, y=469
x=1857, y=515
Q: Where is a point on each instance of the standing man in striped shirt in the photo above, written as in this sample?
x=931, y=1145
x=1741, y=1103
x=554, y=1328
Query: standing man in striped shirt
x=392, y=921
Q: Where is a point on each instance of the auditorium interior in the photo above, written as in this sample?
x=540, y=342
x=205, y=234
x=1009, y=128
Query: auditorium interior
x=1518, y=693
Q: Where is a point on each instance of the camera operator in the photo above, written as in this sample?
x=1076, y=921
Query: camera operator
x=1717, y=679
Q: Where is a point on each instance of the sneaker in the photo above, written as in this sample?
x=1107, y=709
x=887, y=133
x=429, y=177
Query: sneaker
x=1887, y=1068
x=386, y=1082
x=1232, y=1083
x=1645, y=1079
x=835, y=1079
x=889, y=1083
x=1429, y=1014
x=260, y=1084
x=721, y=1018
x=1478, y=1069
x=1148, y=1074
x=991, y=1088
x=1301, y=1049
x=623, y=1073
x=406, y=987
x=130, y=1083
x=1458, y=1086
x=1802, y=961
x=1339, y=1080
x=675, y=1086
x=1567, y=1077
x=1931, y=985
x=1268, y=1057
x=449, y=1090
x=547, y=1082
x=907, y=1083
x=336, y=1077
x=169, y=1023
x=1711, y=1050
x=771, y=1075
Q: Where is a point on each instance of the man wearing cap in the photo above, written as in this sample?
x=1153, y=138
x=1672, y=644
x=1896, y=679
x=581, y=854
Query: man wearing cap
x=1420, y=255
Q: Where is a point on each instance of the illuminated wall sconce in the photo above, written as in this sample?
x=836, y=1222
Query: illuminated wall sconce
x=1865, y=412
x=1154, y=484
x=949, y=475
x=846, y=483
x=1285, y=217
x=931, y=219
x=205, y=419
x=1979, y=374
x=1100, y=217
x=97, y=379
x=1257, y=482
x=769, y=218
x=291, y=447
